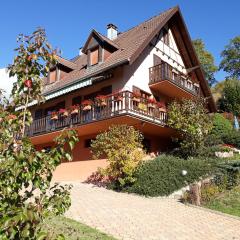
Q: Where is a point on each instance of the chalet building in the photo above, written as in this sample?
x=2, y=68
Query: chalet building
x=122, y=78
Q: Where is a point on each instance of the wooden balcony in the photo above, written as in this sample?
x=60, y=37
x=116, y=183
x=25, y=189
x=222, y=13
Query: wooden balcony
x=117, y=105
x=166, y=80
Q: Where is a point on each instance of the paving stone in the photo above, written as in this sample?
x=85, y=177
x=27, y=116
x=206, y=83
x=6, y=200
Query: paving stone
x=131, y=217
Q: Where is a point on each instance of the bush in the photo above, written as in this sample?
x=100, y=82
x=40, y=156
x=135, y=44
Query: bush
x=232, y=138
x=228, y=175
x=163, y=175
x=191, y=120
x=122, y=147
x=208, y=192
x=221, y=126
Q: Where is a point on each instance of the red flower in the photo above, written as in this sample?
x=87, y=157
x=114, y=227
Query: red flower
x=62, y=110
x=100, y=97
x=87, y=102
x=28, y=83
x=53, y=113
x=73, y=107
x=152, y=100
x=161, y=105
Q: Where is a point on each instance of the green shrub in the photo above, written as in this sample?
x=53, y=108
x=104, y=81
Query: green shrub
x=232, y=138
x=228, y=175
x=122, y=147
x=192, y=122
x=163, y=175
x=208, y=192
x=221, y=125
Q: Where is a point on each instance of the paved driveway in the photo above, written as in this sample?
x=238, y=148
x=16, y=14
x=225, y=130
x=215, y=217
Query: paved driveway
x=126, y=216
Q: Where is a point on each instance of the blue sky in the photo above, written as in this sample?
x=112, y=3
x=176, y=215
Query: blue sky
x=68, y=23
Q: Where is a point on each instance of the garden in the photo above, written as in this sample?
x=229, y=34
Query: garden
x=205, y=163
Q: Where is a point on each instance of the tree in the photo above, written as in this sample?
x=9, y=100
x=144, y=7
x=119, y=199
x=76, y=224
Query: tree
x=207, y=61
x=26, y=195
x=231, y=58
x=122, y=147
x=192, y=122
x=230, y=100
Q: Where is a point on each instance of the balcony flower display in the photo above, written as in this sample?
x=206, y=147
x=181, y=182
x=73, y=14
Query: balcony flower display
x=74, y=109
x=63, y=112
x=118, y=96
x=136, y=97
x=101, y=100
x=54, y=115
x=142, y=106
x=87, y=105
x=152, y=103
x=162, y=106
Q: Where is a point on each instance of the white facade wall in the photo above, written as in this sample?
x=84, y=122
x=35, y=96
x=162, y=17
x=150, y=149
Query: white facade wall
x=137, y=74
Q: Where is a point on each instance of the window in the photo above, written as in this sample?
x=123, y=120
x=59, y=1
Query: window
x=38, y=113
x=165, y=37
x=76, y=100
x=52, y=76
x=87, y=143
x=94, y=56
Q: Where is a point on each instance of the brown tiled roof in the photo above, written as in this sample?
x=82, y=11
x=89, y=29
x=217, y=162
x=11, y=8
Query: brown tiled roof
x=66, y=63
x=129, y=43
x=102, y=37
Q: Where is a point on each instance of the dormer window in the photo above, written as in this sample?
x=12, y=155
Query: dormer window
x=94, y=56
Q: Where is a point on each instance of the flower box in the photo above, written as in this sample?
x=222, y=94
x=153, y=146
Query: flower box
x=63, y=112
x=101, y=100
x=87, y=105
x=74, y=109
x=118, y=98
x=162, y=107
x=54, y=116
x=152, y=103
x=136, y=97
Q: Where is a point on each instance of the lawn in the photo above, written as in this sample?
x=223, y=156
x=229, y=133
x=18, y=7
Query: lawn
x=227, y=202
x=73, y=230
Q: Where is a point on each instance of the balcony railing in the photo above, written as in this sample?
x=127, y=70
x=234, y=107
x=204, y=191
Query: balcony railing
x=164, y=71
x=123, y=103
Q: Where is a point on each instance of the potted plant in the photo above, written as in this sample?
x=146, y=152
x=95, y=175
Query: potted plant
x=87, y=105
x=162, y=106
x=142, y=106
x=136, y=97
x=118, y=97
x=101, y=100
x=74, y=109
x=63, y=112
x=54, y=115
x=151, y=103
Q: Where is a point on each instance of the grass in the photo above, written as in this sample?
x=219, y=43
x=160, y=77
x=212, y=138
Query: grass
x=73, y=230
x=227, y=202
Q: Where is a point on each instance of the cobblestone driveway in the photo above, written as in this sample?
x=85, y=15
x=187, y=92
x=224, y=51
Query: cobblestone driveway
x=126, y=216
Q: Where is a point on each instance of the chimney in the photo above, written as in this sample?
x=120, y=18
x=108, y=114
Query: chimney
x=112, y=31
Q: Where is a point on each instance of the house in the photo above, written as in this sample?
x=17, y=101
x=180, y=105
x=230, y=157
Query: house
x=122, y=78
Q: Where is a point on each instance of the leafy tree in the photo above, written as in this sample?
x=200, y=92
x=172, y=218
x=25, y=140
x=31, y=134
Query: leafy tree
x=193, y=123
x=230, y=100
x=122, y=147
x=221, y=125
x=231, y=58
x=26, y=195
x=207, y=61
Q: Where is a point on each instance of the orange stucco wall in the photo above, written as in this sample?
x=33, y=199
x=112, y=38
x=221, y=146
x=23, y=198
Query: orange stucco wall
x=83, y=164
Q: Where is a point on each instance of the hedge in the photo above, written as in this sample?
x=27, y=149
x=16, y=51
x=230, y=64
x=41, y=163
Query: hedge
x=163, y=175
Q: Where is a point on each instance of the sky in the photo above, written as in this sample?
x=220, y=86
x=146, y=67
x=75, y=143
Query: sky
x=68, y=23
